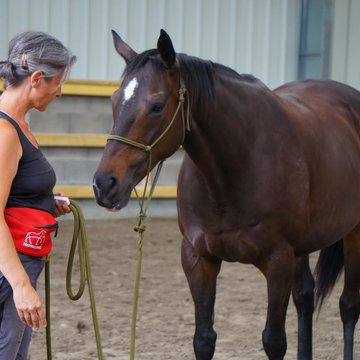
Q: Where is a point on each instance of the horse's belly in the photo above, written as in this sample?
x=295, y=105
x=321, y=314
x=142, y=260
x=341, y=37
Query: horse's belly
x=247, y=244
x=229, y=247
x=334, y=215
x=328, y=224
x=329, y=228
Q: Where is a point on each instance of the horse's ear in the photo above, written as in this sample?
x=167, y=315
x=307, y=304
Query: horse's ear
x=166, y=49
x=123, y=49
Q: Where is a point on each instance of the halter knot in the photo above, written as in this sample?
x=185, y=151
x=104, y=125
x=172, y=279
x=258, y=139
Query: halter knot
x=182, y=92
x=140, y=227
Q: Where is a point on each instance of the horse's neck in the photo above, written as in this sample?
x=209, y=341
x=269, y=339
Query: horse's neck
x=214, y=154
x=224, y=142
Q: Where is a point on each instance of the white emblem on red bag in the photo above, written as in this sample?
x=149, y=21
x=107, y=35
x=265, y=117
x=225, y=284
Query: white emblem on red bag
x=35, y=240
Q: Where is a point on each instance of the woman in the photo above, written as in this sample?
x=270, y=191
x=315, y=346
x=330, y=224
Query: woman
x=33, y=74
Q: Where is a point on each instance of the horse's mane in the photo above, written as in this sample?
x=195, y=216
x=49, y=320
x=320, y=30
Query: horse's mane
x=198, y=75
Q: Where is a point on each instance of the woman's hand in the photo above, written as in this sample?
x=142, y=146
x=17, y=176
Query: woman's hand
x=61, y=207
x=28, y=305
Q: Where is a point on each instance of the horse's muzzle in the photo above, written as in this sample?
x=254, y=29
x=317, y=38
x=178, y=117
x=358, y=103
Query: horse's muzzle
x=108, y=192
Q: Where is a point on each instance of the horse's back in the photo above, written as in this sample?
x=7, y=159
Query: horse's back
x=323, y=88
x=322, y=97
x=325, y=117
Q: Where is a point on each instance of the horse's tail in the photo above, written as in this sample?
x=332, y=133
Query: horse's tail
x=327, y=271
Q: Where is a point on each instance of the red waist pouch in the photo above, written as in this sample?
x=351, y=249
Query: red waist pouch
x=31, y=229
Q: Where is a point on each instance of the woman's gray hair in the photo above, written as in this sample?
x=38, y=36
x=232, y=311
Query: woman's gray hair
x=35, y=50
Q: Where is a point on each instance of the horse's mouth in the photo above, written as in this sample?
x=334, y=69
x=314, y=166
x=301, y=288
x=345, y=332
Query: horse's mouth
x=113, y=207
x=117, y=207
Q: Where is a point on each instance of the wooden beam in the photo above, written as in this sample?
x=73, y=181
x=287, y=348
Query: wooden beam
x=86, y=191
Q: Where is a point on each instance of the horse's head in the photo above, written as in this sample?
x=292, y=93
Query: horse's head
x=147, y=127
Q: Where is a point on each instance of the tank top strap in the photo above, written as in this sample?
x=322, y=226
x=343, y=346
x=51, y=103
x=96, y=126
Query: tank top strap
x=12, y=121
x=25, y=142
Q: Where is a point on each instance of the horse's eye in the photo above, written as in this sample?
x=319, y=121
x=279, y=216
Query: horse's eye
x=156, y=108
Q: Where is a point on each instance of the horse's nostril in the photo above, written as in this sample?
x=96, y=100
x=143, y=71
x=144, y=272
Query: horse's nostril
x=112, y=182
x=105, y=185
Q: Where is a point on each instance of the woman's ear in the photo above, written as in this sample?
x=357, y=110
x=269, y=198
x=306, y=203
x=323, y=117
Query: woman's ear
x=35, y=78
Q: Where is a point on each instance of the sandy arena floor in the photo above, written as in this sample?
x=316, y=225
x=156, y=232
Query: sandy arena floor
x=165, y=314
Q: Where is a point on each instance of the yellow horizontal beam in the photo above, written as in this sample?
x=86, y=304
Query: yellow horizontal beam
x=71, y=140
x=89, y=88
x=86, y=88
x=86, y=191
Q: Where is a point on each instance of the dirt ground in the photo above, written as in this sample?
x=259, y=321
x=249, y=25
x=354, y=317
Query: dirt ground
x=165, y=323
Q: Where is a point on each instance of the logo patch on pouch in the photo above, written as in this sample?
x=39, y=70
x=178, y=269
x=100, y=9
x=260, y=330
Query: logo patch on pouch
x=31, y=230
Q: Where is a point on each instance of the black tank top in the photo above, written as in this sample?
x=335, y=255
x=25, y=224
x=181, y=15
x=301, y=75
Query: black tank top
x=35, y=178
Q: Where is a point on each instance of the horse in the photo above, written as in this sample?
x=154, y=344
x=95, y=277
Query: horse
x=269, y=176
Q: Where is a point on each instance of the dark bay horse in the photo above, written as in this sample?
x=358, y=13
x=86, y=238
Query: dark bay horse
x=268, y=178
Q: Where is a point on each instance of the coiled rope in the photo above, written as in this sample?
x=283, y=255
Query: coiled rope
x=79, y=238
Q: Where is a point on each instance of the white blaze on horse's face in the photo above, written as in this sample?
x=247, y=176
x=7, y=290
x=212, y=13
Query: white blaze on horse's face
x=130, y=90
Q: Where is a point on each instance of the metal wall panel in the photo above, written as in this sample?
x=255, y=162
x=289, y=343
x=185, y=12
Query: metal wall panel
x=345, y=57
x=353, y=72
x=251, y=36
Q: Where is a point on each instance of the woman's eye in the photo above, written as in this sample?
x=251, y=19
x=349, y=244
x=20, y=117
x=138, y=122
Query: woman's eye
x=156, y=108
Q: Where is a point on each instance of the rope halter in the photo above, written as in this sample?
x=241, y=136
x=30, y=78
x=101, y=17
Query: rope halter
x=148, y=148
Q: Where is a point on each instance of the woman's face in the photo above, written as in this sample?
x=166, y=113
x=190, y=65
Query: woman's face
x=46, y=90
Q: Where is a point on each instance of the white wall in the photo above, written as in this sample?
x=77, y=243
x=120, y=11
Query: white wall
x=252, y=36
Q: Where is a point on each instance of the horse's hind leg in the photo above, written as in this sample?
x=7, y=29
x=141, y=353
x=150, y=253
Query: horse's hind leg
x=303, y=296
x=201, y=275
x=350, y=298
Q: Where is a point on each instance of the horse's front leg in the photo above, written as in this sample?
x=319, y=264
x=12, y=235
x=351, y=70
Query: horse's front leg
x=303, y=296
x=278, y=269
x=201, y=275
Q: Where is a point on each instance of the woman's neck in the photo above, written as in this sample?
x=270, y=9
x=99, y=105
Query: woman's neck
x=13, y=102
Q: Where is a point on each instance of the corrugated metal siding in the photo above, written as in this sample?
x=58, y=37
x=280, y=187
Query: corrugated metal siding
x=252, y=36
x=345, y=65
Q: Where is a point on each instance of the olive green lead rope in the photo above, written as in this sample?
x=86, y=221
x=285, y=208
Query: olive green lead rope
x=80, y=239
x=140, y=229
x=47, y=306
